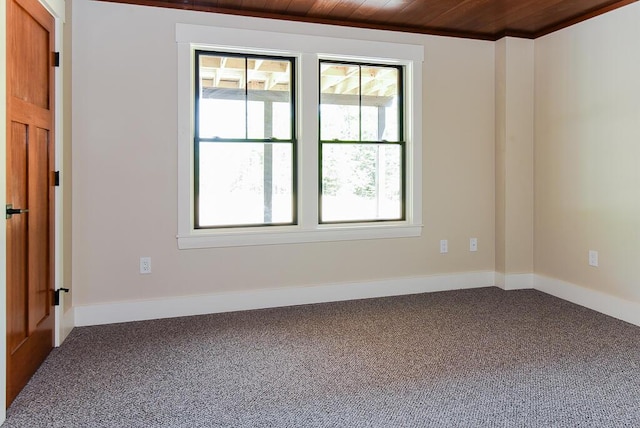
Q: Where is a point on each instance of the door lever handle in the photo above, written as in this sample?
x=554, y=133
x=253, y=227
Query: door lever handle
x=10, y=211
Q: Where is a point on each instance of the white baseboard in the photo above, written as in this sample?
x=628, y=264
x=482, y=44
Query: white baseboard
x=514, y=281
x=277, y=297
x=259, y=299
x=607, y=304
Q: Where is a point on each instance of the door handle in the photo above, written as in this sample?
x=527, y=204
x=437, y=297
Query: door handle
x=10, y=211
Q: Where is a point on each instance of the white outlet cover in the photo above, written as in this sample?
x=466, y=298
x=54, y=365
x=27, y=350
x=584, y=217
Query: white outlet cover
x=473, y=244
x=145, y=265
x=593, y=258
x=444, y=246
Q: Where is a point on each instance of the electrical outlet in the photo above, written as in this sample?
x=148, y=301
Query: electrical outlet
x=444, y=246
x=145, y=265
x=473, y=244
x=593, y=258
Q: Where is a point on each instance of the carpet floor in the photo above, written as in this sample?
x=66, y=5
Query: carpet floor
x=470, y=358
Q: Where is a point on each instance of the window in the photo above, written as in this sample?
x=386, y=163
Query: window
x=361, y=142
x=287, y=139
x=244, y=144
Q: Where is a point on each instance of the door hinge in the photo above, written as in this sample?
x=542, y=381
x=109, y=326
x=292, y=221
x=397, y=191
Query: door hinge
x=56, y=296
x=56, y=59
x=56, y=178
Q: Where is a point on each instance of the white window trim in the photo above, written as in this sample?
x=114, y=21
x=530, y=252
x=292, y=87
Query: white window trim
x=308, y=50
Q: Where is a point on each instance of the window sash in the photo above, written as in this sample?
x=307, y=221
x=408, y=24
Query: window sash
x=362, y=101
x=403, y=185
x=246, y=95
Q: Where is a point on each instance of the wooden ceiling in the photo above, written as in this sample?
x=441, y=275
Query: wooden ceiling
x=477, y=19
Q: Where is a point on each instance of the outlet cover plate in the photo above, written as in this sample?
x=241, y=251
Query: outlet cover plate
x=145, y=265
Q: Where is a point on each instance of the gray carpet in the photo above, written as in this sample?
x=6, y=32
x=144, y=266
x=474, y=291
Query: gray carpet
x=472, y=358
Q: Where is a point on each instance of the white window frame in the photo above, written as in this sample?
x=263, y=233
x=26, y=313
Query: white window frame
x=308, y=50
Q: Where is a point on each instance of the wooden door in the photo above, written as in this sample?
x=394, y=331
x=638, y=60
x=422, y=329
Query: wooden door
x=30, y=257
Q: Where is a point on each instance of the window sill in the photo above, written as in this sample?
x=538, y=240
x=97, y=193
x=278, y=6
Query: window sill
x=295, y=235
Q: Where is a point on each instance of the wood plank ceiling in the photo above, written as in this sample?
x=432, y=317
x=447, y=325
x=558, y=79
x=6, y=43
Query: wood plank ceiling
x=477, y=19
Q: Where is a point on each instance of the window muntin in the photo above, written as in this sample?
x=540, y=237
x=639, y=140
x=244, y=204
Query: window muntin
x=362, y=147
x=244, y=145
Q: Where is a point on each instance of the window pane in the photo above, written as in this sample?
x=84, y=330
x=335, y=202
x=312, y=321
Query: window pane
x=361, y=182
x=269, y=82
x=379, y=103
x=282, y=120
x=339, y=102
x=245, y=184
x=372, y=123
x=256, y=124
x=222, y=97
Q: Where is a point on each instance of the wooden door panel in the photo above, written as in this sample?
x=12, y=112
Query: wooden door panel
x=38, y=222
x=17, y=165
x=17, y=325
x=31, y=78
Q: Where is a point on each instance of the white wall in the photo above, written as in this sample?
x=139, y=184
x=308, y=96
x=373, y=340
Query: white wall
x=124, y=167
x=587, y=156
x=514, y=162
